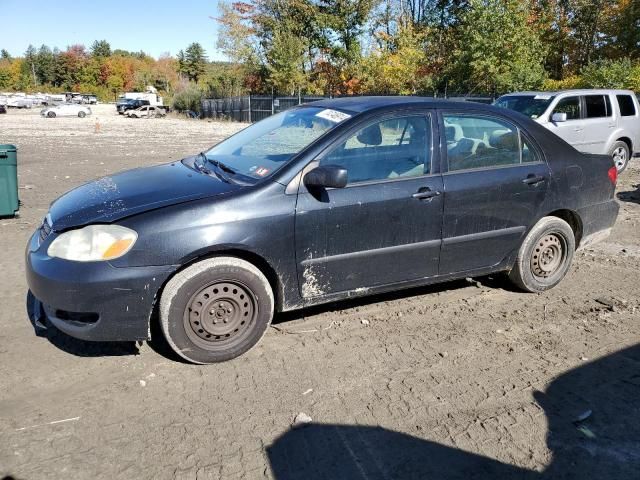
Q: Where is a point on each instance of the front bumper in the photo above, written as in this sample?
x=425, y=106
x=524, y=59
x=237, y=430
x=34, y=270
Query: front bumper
x=94, y=300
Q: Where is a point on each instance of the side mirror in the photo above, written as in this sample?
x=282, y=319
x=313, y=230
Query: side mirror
x=559, y=117
x=331, y=176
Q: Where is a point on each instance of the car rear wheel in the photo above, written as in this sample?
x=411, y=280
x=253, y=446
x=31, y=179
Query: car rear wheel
x=545, y=256
x=620, y=154
x=51, y=114
x=82, y=114
x=216, y=309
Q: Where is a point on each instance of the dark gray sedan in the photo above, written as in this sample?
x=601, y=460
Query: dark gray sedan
x=330, y=200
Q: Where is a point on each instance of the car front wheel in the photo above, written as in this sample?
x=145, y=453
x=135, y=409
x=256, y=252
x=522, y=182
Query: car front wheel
x=82, y=114
x=51, y=114
x=545, y=256
x=216, y=309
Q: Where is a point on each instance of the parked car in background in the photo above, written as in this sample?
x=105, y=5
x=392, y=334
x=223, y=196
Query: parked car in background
x=326, y=201
x=66, y=110
x=90, y=99
x=147, y=111
x=130, y=104
x=55, y=99
x=592, y=121
x=16, y=101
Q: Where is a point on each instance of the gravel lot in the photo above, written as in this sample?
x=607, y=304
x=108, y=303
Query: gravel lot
x=464, y=380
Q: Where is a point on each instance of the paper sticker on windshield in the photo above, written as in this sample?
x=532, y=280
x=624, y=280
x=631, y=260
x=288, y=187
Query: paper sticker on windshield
x=333, y=115
x=261, y=172
x=542, y=97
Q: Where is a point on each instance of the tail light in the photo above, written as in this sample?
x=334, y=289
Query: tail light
x=613, y=175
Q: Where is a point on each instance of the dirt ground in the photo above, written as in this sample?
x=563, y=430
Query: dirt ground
x=469, y=379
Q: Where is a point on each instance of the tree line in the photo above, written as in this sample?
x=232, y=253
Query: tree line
x=100, y=70
x=345, y=47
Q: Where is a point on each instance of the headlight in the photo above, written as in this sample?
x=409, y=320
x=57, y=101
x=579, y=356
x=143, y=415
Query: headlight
x=93, y=243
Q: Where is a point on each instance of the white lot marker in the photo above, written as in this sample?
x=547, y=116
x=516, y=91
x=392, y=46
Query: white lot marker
x=49, y=423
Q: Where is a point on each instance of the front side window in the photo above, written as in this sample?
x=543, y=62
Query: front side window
x=627, y=107
x=596, y=106
x=484, y=142
x=394, y=148
x=570, y=106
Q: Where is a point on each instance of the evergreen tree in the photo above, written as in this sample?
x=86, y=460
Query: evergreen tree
x=195, y=61
x=100, y=48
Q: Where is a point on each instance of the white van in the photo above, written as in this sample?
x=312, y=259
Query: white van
x=593, y=121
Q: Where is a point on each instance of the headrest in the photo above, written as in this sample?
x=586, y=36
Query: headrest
x=456, y=134
x=505, y=141
x=450, y=133
x=371, y=135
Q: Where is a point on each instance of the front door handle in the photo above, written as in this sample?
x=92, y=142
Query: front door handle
x=425, y=193
x=533, y=179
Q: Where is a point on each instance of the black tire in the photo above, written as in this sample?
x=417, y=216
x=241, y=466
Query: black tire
x=81, y=114
x=545, y=255
x=216, y=309
x=51, y=114
x=621, y=154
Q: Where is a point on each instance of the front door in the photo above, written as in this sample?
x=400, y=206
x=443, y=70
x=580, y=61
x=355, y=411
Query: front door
x=572, y=130
x=384, y=227
x=494, y=185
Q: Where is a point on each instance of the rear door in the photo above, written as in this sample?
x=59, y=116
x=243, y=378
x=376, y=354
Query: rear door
x=598, y=123
x=494, y=185
x=384, y=227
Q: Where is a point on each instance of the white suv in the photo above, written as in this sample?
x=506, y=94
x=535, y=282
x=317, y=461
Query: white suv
x=593, y=121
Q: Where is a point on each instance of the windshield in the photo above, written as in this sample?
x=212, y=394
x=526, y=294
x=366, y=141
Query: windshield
x=261, y=149
x=531, y=105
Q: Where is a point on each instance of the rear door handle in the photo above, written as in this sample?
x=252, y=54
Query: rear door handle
x=425, y=193
x=533, y=179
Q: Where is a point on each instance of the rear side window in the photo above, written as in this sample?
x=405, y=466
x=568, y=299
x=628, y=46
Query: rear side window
x=596, y=106
x=570, y=106
x=483, y=142
x=627, y=107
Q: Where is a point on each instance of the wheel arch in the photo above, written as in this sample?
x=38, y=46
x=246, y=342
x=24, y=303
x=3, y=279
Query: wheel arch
x=573, y=219
x=626, y=140
x=253, y=258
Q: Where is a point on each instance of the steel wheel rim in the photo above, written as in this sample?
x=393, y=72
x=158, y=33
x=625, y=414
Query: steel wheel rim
x=620, y=157
x=548, y=256
x=220, y=314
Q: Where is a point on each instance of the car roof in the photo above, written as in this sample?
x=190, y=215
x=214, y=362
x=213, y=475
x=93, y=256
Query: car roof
x=364, y=104
x=575, y=91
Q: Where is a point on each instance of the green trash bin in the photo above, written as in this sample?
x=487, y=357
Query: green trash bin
x=8, y=180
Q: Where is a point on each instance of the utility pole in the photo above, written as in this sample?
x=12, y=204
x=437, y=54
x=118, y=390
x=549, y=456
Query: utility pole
x=33, y=71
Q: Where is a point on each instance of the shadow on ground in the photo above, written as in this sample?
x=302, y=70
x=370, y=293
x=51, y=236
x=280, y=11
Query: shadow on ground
x=159, y=344
x=593, y=414
x=496, y=281
x=632, y=196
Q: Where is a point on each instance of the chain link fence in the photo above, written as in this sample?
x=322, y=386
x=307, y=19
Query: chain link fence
x=252, y=108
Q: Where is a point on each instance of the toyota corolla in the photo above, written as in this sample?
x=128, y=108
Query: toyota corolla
x=330, y=200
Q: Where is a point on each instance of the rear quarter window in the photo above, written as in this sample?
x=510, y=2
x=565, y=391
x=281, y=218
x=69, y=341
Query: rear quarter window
x=627, y=107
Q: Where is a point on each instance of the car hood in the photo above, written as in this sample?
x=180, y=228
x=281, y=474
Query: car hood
x=134, y=191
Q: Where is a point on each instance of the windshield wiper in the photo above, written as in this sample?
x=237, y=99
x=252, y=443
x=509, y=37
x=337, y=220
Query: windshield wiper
x=221, y=165
x=200, y=166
